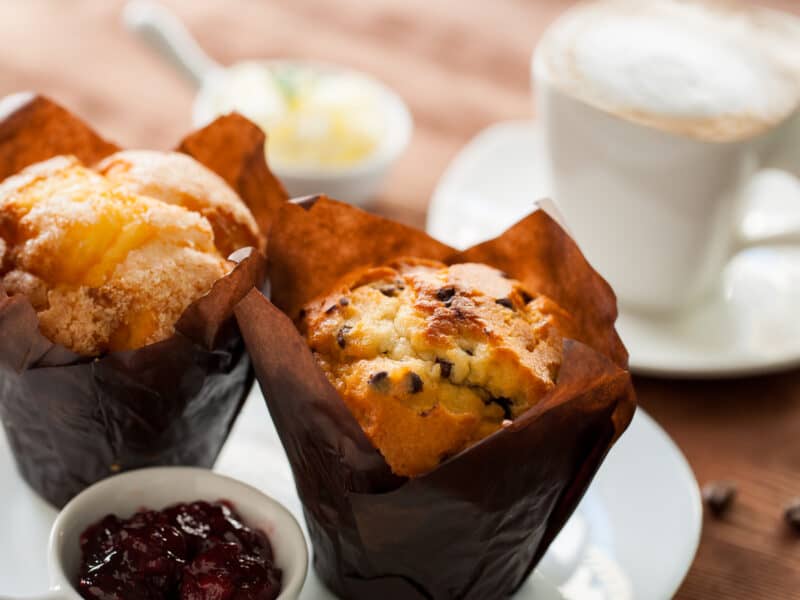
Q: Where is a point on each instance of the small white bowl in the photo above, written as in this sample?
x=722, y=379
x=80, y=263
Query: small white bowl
x=356, y=183
x=157, y=488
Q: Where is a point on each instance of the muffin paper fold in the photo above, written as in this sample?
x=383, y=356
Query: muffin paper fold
x=477, y=525
x=72, y=420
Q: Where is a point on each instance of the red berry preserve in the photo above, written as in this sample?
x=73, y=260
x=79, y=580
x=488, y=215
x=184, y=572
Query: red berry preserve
x=197, y=551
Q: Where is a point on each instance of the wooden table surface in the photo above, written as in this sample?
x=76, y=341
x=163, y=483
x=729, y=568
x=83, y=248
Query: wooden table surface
x=461, y=65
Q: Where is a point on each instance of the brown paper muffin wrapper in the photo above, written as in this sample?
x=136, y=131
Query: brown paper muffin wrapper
x=478, y=524
x=72, y=420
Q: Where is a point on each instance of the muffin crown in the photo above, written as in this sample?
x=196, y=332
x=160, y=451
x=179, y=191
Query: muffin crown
x=105, y=267
x=431, y=358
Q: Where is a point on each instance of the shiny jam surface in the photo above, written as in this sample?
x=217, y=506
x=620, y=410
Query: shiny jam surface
x=197, y=551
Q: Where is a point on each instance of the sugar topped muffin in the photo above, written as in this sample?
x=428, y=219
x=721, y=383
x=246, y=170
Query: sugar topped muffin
x=106, y=266
x=176, y=178
x=431, y=359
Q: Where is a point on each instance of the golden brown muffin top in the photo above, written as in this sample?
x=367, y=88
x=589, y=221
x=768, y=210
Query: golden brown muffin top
x=176, y=178
x=105, y=268
x=430, y=359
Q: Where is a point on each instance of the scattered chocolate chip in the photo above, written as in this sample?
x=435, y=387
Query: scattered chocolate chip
x=344, y=300
x=445, y=367
x=504, y=403
x=505, y=302
x=388, y=291
x=414, y=383
x=444, y=294
x=526, y=297
x=719, y=496
x=340, y=339
x=330, y=309
x=469, y=351
x=792, y=514
x=379, y=380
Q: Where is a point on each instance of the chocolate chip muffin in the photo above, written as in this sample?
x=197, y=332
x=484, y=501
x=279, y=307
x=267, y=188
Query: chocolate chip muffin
x=430, y=359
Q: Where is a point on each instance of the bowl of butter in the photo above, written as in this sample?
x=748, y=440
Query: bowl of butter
x=330, y=129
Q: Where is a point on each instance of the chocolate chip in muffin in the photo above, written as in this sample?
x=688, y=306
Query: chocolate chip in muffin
x=445, y=367
x=414, y=383
x=504, y=403
x=379, y=380
x=526, y=297
x=340, y=339
x=445, y=293
x=344, y=300
x=400, y=284
x=505, y=302
x=388, y=291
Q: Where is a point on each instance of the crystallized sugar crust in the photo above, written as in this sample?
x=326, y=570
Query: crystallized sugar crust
x=105, y=268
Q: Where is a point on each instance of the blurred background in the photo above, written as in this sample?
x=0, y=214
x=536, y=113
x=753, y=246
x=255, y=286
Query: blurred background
x=461, y=65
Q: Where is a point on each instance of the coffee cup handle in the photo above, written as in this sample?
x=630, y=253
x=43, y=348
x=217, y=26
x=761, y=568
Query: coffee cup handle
x=771, y=198
x=770, y=210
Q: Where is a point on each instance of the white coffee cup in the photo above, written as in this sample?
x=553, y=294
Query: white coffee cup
x=653, y=193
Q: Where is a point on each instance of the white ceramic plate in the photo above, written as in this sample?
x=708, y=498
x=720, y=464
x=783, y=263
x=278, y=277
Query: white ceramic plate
x=747, y=326
x=633, y=537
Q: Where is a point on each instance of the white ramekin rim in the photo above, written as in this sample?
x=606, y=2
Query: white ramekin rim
x=158, y=487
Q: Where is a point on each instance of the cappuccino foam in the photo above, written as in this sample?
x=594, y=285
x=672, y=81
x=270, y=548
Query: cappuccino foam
x=712, y=70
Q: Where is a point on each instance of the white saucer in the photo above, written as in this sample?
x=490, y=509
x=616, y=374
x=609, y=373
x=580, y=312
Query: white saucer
x=747, y=326
x=634, y=535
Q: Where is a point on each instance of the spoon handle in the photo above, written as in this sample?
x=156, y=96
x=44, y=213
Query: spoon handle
x=167, y=34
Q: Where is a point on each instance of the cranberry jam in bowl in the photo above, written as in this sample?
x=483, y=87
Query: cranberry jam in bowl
x=175, y=533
